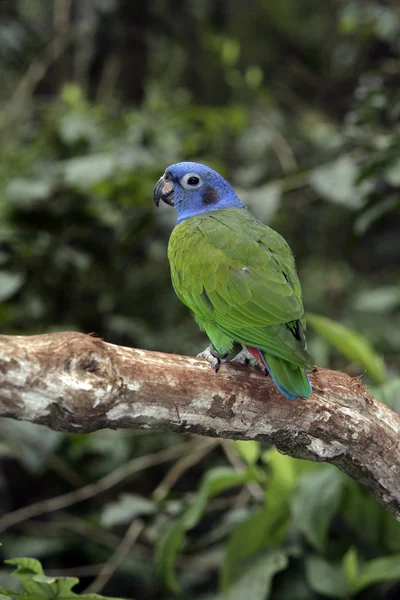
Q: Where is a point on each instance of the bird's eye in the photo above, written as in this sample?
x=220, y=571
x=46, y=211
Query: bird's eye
x=191, y=181
x=167, y=176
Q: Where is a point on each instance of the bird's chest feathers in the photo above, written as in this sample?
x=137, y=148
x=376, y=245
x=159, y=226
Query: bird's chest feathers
x=197, y=256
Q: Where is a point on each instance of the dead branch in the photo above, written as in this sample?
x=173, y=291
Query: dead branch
x=77, y=383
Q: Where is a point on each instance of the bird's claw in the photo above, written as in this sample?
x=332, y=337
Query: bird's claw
x=245, y=358
x=213, y=357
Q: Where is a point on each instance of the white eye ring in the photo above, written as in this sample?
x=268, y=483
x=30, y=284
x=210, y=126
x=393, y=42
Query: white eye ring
x=191, y=185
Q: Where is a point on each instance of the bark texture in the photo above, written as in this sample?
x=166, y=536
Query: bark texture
x=77, y=383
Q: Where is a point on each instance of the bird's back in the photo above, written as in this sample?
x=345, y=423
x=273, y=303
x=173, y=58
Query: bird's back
x=229, y=267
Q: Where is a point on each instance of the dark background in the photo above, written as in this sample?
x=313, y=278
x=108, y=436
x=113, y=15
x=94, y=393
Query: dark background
x=297, y=104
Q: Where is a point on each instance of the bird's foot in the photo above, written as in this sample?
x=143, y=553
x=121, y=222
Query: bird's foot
x=213, y=357
x=245, y=358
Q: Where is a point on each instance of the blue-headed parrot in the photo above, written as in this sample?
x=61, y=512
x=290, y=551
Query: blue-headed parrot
x=236, y=275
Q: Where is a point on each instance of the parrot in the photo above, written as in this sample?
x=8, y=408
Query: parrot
x=237, y=276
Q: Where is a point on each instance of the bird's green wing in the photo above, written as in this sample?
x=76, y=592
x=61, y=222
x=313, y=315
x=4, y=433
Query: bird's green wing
x=236, y=273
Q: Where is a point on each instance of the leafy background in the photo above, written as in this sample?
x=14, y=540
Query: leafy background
x=297, y=103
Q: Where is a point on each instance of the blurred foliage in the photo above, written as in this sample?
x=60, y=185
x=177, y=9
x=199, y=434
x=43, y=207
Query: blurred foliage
x=297, y=104
x=35, y=584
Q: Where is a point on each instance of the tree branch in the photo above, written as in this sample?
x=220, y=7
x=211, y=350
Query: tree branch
x=77, y=383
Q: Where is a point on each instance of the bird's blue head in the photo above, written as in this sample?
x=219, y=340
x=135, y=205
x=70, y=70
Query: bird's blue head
x=194, y=189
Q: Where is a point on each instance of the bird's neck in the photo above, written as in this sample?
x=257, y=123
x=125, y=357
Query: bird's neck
x=185, y=212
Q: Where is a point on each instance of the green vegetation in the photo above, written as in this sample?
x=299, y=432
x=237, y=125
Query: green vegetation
x=297, y=104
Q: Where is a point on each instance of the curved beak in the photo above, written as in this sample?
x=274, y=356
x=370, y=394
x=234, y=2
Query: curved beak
x=164, y=191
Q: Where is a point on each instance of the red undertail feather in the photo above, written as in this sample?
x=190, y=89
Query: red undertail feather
x=256, y=354
x=290, y=379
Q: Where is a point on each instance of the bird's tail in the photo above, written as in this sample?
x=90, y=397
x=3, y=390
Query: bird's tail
x=290, y=379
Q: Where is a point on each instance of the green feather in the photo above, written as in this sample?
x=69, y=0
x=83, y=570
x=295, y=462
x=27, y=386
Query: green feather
x=239, y=279
x=290, y=377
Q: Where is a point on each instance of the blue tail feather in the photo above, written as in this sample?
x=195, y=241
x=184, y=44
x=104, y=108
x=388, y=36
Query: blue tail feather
x=280, y=387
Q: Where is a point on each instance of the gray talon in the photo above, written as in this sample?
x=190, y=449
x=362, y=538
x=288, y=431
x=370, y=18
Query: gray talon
x=243, y=358
x=213, y=357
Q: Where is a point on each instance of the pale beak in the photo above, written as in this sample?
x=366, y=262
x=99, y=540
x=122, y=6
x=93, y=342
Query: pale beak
x=164, y=191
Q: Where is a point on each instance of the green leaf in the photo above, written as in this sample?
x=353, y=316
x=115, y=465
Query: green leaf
x=85, y=171
x=350, y=566
x=293, y=586
x=315, y=502
x=352, y=345
x=388, y=393
x=167, y=549
x=25, y=566
x=125, y=509
x=392, y=173
x=386, y=568
x=262, y=529
x=44, y=579
x=37, y=586
x=75, y=127
x=263, y=201
x=254, y=76
x=370, y=215
x=230, y=50
x=26, y=193
x=336, y=182
x=22, y=437
x=39, y=546
x=248, y=450
x=265, y=527
x=72, y=94
x=283, y=472
x=255, y=583
x=10, y=283
x=391, y=531
x=380, y=299
x=327, y=578
x=214, y=482
x=358, y=507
